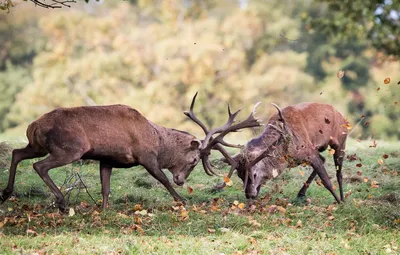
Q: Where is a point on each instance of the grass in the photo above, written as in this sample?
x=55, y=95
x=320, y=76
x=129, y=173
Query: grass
x=143, y=219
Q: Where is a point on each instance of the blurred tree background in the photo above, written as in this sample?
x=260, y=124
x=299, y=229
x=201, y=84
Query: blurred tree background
x=155, y=54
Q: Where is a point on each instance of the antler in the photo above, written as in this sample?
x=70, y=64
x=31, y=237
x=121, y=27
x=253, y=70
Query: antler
x=280, y=115
x=216, y=143
x=249, y=122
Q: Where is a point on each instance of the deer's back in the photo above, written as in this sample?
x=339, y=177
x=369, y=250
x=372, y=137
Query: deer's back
x=111, y=129
x=317, y=123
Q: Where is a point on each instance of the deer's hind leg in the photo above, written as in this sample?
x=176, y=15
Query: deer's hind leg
x=18, y=155
x=52, y=161
x=338, y=158
x=61, y=153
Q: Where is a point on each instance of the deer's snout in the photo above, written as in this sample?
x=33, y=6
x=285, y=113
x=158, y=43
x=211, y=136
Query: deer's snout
x=179, y=181
x=251, y=195
x=252, y=191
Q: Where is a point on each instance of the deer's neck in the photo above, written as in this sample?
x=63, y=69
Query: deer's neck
x=170, y=144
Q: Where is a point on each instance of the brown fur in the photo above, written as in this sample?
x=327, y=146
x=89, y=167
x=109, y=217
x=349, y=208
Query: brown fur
x=116, y=135
x=310, y=129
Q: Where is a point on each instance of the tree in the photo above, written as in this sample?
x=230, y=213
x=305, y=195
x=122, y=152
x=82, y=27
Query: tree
x=376, y=22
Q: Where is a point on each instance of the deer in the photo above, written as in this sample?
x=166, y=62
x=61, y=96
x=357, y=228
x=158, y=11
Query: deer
x=294, y=135
x=118, y=136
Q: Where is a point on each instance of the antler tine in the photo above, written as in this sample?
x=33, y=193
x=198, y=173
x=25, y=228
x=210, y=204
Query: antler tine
x=230, y=121
x=276, y=128
x=230, y=160
x=207, y=166
x=222, y=142
x=280, y=114
x=193, y=117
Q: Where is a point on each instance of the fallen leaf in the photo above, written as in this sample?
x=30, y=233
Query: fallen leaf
x=386, y=80
x=144, y=212
x=190, y=190
x=301, y=173
x=30, y=231
x=385, y=156
x=359, y=165
x=252, y=240
x=378, y=88
x=211, y=230
x=352, y=157
x=137, y=207
x=359, y=173
x=331, y=217
x=184, y=214
x=380, y=161
x=281, y=209
x=365, y=179
x=373, y=144
x=358, y=140
x=340, y=74
x=71, y=212
x=331, y=151
x=374, y=184
x=235, y=202
x=395, y=102
x=299, y=224
x=241, y=205
x=330, y=208
x=227, y=181
x=255, y=223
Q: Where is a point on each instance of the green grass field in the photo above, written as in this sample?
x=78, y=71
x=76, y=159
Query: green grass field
x=143, y=219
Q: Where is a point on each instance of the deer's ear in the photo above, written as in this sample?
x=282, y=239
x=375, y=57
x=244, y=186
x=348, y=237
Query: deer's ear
x=195, y=144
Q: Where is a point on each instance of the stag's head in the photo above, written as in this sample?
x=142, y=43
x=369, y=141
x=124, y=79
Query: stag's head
x=187, y=155
x=261, y=159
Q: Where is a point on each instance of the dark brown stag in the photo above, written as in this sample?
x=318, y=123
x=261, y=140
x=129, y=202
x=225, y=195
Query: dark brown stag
x=117, y=136
x=295, y=135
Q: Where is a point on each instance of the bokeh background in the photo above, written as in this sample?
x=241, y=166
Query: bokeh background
x=155, y=54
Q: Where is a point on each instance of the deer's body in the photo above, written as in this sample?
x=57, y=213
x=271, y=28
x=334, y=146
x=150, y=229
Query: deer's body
x=309, y=129
x=116, y=135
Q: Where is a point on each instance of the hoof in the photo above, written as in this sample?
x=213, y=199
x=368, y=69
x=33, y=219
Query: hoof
x=181, y=201
x=62, y=210
x=4, y=195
